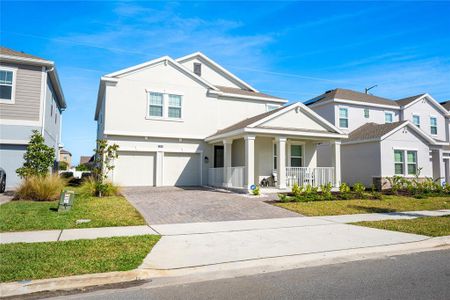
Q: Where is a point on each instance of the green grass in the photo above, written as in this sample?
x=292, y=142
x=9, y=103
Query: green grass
x=344, y=207
x=24, y=261
x=430, y=226
x=103, y=212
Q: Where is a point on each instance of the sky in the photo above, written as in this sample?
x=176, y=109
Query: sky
x=295, y=50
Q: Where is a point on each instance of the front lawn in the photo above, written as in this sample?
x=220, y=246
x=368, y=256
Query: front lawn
x=103, y=212
x=430, y=226
x=24, y=261
x=363, y=206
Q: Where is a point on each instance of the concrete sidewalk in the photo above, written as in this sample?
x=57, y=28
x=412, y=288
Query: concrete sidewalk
x=204, y=227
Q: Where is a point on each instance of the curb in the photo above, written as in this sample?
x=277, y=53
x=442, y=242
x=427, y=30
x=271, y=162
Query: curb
x=218, y=271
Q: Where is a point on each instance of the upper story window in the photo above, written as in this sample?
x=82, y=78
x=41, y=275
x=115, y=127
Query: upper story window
x=156, y=107
x=433, y=125
x=366, y=113
x=388, y=117
x=174, y=106
x=7, y=83
x=270, y=107
x=343, y=117
x=198, y=69
x=416, y=120
x=165, y=106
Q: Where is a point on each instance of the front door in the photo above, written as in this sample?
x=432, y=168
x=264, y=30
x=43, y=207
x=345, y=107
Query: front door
x=218, y=157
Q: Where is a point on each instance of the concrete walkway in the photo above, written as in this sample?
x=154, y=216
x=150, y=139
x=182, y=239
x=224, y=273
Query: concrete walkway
x=191, y=229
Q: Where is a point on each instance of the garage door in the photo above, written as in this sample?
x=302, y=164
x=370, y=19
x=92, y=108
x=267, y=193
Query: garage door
x=181, y=169
x=134, y=169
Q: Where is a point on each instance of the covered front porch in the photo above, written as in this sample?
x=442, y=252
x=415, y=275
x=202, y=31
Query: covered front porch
x=271, y=162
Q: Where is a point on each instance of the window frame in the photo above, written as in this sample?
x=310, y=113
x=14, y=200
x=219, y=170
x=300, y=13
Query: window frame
x=13, y=85
x=405, y=163
x=416, y=116
x=366, y=113
x=340, y=118
x=433, y=126
x=302, y=156
x=165, y=106
x=171, y=106
x=401, y=162
x=386, y=113
x=413, y=163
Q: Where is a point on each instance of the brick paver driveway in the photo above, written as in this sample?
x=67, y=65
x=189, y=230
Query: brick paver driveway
x=186, y=205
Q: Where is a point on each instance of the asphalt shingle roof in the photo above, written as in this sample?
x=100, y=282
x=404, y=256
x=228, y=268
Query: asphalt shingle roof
x=370, y=131
x=407, y=100
x=11, y=52
x=238, y=91
x=446, y=105
x=352, y=96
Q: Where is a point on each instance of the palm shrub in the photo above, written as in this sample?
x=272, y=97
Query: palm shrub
x=344, y=191
x=40, y=188
x=92, y=187
x=359, y=189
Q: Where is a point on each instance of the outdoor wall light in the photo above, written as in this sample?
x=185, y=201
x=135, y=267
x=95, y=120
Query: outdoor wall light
x=206, y=159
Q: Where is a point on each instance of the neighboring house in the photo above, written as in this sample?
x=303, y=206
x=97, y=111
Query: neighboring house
x=30, y=98
x=190, y=122
x=386, y=137
x=65, y=156
x=85, y=159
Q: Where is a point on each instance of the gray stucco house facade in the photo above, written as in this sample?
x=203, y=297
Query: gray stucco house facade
x=31, y=98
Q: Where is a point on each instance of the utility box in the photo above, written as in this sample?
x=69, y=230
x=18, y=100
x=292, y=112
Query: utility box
x=66, y=201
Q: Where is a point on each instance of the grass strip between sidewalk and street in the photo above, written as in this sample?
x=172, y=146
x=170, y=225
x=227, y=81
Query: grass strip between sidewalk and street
x=364, y=206
x=42, y=215
x=430, y=226
x=23, y=261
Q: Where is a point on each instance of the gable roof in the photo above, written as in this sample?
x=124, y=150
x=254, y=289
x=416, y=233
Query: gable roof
x=64, y=151
x=217, y=67
x=446, y=105
x=371, y=132
x=13, y=56
x=350, y=95
x=251, y=124
x=237, y=91
x=408, y=100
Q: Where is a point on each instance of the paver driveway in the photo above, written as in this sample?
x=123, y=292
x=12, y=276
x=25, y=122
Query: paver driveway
x=167, y=205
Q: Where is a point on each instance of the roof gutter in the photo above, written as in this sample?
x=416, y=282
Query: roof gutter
x=231, y=95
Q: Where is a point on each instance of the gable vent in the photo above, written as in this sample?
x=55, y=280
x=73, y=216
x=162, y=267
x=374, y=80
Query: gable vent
x=198, y=69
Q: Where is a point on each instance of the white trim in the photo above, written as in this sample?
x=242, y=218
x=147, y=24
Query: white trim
x=4, y=121
x=215, y=65
x=165, y=106
x=27, y=60
x=42, y=113
x=13, y=70
x=437, y=104
x=275, y=106
x=153, y=135
x=14, y=142
x=239, y=96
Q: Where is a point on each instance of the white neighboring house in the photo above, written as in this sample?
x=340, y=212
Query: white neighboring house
x=386, y=137
x=190, y=122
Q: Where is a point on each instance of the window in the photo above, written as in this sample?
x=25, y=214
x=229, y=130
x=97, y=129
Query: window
x=198, y=69
x=412, y=162
x=399, y=160
x=275, y=156
x=416, y=120
x=366, y=113
x=174, y=106
x=7, y=85
x=156, y=105
x=343, y=117
x=433, y=125
x=270, y=107
x=388, y=117
x=296, y=156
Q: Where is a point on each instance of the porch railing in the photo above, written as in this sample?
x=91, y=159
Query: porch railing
x=313, y=176
x=227, y=177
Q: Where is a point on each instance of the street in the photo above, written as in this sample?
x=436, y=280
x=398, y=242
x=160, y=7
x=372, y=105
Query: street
x=423, y=275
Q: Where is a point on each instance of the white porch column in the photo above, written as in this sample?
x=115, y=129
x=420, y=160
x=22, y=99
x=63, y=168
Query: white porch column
x=249, y=160
x=438, y=165
x=227, y=161
x=336, y=162
x=281, y=162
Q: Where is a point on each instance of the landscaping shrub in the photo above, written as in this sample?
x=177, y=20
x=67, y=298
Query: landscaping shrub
x=256, y=191
x=91, y=187
x=326, y=191
x=40, y=188
x=359, y=189
x=296, y=190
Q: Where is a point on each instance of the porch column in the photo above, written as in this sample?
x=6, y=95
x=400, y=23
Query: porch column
x=227, y=161
x=336, y=162
x=249, y=160
x=438, y=165
x=281, y=162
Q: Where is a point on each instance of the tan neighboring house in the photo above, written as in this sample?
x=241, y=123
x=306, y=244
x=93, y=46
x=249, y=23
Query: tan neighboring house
x=84, y=159
x=65, y=156
x=31, y=98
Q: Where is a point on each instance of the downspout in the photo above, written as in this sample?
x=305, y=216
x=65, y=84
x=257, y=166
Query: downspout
x=44, y=94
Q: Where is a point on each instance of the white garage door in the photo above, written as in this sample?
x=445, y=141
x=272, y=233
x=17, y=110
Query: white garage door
x=181, y=169
x=134, y=169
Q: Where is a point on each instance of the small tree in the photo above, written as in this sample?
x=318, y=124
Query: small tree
x=103, y=163
x=38, y=158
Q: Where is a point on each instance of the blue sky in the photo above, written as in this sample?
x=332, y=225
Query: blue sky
x=295, y=50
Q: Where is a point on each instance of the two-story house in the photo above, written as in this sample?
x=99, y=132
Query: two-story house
x=31, y=98
x=190, y=122
x=387, y=137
